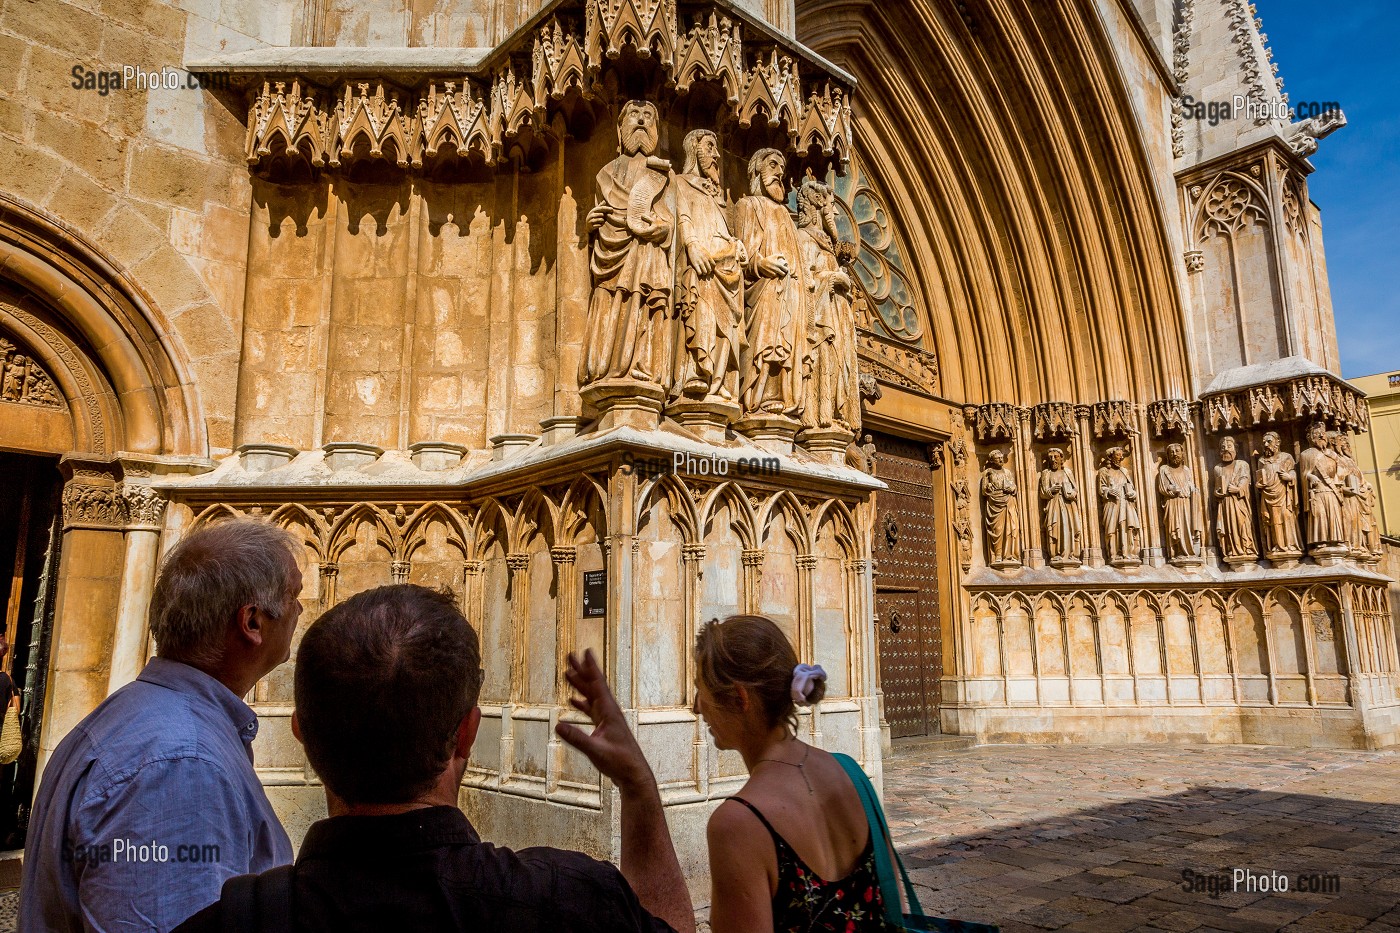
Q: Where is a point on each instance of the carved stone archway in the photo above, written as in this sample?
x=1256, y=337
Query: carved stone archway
x=90, y=375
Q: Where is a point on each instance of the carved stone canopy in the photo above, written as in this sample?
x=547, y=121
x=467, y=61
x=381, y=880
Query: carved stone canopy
x=1288, y=390
x=325, y=113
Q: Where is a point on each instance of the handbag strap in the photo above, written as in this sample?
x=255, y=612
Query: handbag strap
x=880, y=841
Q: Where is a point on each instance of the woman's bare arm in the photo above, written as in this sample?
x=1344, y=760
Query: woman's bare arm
x=743, y=870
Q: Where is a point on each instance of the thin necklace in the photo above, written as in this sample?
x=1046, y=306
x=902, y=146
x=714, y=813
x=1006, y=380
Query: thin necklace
x=807, y=749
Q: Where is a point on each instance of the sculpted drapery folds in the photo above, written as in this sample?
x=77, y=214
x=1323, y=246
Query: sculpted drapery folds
x=709, y=277
x=1122, y=527
x=1277, y=480
x=1002, y=521
x=1234, y=519
x=1177, y=489
x=1323, y=490
x=631, y=263
x=1353, y=492
x=774, y=323
x=1063, y=529
x=831, y=380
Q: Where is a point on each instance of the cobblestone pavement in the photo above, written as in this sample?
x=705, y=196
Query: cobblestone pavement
x=1098, y=838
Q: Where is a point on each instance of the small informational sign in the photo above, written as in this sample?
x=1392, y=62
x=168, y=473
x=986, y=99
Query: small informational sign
x=595, y=593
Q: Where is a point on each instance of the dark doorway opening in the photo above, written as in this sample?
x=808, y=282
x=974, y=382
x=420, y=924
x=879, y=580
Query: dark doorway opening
x=30, y=513
x=906, y=587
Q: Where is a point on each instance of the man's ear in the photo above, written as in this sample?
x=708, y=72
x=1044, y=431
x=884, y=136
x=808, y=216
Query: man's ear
x=249, y=625
x=296, y=728
x=466, y=733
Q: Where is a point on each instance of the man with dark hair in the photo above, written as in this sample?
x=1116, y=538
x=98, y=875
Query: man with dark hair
x=151, y=803
x=386, y=694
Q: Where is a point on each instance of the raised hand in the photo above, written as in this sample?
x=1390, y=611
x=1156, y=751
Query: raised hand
x=611, y=747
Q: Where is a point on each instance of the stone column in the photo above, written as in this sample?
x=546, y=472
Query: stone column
x=144, y=509
x=753, y=572
x=1028, y=476
x=1089, y=491
x=86, y=599
x=693, y=563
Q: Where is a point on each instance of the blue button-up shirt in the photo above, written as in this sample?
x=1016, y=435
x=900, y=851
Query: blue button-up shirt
x=147, y=807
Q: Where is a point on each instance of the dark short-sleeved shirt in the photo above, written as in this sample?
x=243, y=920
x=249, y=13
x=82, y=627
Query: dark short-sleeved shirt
x=427, y=870
x=146, y=808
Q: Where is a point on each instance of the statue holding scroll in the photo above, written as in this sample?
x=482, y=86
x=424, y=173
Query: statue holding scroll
x=1276, y=475
x=1234, y=517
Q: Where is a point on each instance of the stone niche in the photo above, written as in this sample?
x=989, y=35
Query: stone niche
x=499, y=336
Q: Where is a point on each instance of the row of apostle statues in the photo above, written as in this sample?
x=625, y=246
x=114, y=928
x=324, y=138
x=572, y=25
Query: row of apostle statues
x=1325, y=484
x=740, y=307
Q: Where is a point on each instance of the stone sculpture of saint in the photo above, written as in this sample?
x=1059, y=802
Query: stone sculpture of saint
x=631, y=259
x=1234, y=516
x=1122, y=525
x=1001, y=517
x=771, y=361
x=1177, y=489
x=1352, y=490
x=1370, y=526
x=1277, y=478
x=831, y=383
x=1322, y=489
x=1060, y=499
x=709, y=277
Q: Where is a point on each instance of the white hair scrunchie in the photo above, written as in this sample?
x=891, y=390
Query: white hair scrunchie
x=803, y=677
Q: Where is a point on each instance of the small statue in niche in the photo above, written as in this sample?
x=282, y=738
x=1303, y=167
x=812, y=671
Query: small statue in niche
x=1063, y=529
x=1177, y=488
x=1122, y=526
x=771, y=361
x=831, y=383
x=1234, y=516
x=1323, y=491
x=631, y=260
x=1370, y=527
x=1353, y=491
x=1277, y=478
x=709, y=277
x=1001, y=515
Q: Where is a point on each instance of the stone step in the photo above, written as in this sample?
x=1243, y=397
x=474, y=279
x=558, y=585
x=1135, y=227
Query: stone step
x=932, y=744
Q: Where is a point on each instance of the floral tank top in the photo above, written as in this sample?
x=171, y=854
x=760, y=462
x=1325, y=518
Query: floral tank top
x=806, y=903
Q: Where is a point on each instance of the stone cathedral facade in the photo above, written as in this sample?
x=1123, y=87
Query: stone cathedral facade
x=967, y=340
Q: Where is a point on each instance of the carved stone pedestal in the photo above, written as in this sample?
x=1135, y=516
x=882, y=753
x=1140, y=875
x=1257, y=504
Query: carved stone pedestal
x=1065, y=563
x=1006, y=565
x=619, y=402
x=828, y=443
x=709, y=420
x=1243, y=565
x=773, y=433
x=1189, y=563
x=1284, y=561
x=1330, y=555
x=1126, y=563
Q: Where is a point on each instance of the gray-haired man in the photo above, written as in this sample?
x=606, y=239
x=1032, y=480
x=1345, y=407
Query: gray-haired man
x=151, y=802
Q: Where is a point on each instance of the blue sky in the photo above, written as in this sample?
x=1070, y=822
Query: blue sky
x=1346, y=52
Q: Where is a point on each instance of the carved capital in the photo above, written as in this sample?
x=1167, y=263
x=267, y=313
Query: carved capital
x=144, y=506
x=92, y=506
x=563, y=554
x=330, y=571
x=806, y=562
x=517, y=562
x=1195, y=261
x=399, y=570
x=473, y=568
x=752, y=557
x=694, y=553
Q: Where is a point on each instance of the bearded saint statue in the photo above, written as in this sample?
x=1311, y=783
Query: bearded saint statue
x=831, y=381
x=631, y=262
x=709, y=278
x=774, y=320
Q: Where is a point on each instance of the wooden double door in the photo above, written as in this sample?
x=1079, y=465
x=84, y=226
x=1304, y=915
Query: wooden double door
x=906, y=586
